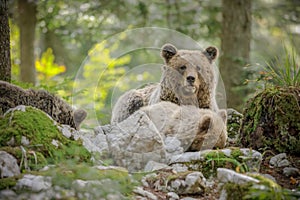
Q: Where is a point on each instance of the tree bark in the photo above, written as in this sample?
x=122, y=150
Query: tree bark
x=27, y=23
x=5, y=63
x=235, y=48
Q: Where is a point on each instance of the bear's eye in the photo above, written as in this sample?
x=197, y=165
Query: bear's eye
x=183, y=67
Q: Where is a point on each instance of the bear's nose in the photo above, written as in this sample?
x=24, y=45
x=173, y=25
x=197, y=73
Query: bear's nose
x=190, y=79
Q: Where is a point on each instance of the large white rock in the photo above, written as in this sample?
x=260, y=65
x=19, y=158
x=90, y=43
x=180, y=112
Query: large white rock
x=226, y=175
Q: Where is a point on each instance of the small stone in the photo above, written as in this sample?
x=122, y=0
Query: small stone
x=193, y=177
x=283, y=163
x=55, y=143
x=172, y=196
x=140, y=191
x=188, y=198
x=196, y=183
x=291, y=171
x=176, y=184
x=144, y=182
x=179, y=167
x=8, y=165
x=153, y=166
x=277, y=158
x=227, y=152
x=66, y=130
x=24, y=141
x=252, y=158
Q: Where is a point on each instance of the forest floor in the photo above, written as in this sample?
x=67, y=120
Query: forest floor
x=277, y=173
x=213, y=193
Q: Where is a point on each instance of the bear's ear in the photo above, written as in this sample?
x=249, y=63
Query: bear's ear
x=79, y=115
x=211, y=53
x=223, y=114
x=168, y=51
x=205, y=123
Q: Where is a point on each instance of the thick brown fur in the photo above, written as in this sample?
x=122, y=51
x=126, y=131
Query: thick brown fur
x=12, y=96
x=188, y=78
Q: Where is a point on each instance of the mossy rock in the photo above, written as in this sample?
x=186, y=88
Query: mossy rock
x=9, y=182
x=230, y=158
x=272, y=121
x=264, y=189
x=216, y=159
x=234, y=120
x=32, y=130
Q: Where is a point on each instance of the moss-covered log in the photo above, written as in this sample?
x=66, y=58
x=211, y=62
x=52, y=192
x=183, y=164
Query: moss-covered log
x=272, y=121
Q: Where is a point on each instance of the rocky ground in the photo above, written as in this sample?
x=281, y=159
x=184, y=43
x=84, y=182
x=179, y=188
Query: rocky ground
x=144, y=172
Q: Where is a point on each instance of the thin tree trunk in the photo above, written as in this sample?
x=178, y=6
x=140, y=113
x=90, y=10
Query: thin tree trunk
x=235, y=48
x=27, y=23
x=5, y=63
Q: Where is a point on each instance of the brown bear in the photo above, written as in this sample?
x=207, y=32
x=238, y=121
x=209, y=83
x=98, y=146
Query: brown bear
x=188, y=78
x=60, y=111
x=196, y=128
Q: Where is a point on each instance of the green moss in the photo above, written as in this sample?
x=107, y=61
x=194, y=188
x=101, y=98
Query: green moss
x=236, y=191
x=6, y=183
x=272, y=121
x=236, y=153
x=40, y=131
x=35, y=160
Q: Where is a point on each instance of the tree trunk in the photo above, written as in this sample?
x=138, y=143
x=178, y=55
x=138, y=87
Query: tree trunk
x=5, y=64
x=27, y=23
x=235, y=48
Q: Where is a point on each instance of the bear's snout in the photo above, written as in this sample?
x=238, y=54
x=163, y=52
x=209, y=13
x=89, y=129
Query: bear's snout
x=191, y=79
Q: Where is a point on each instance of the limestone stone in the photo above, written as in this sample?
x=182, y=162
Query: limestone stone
x=8, y=165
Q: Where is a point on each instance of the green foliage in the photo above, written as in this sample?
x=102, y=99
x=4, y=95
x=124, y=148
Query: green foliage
x=46, y=67
x=219, y=159
x=285, y=73
x=48, y=76
x=101, y=73
x=40, y=131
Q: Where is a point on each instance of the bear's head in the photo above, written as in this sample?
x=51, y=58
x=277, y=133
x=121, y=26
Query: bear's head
x=189, y=75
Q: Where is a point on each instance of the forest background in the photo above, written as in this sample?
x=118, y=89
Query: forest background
x=52, y=41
